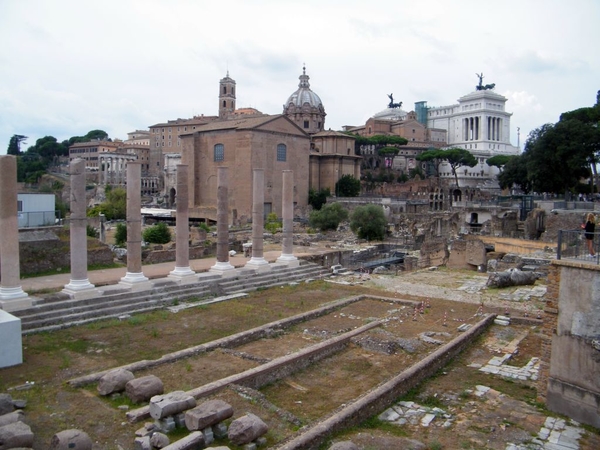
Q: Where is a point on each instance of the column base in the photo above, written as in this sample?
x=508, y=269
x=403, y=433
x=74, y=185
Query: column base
x=14, y=299
x=288, y=260
x=258, y=264
x=135, y=280
x=225, y=269
x=183, y=274
x=76, y=286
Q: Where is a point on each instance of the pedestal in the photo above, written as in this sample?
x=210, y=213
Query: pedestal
x=11, y=350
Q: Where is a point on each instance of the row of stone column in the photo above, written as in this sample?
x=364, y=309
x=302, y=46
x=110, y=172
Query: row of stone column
x=113, y=168
x=12, y=296
x=472, y=128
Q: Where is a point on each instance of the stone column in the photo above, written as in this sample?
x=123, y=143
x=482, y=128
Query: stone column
x=182, y=239
x=222, y=266
x=258, y=221
x=12, y=297
x=77, y=227
x=287, y=213
x=134, y=273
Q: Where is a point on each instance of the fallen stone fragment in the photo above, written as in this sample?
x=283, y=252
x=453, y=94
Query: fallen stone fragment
x=175, y=402
x=6, y=404
x=159, y=440
x=345, y=445
x=246, y=429
x=71, y=440
x=144, y=388
x=15, y=416
x=142, y=443
x=114, y=381
x=207, y=414
x=193, y=441
x=16, y=434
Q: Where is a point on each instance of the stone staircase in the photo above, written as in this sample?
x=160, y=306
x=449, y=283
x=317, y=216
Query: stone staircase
x=60, y=311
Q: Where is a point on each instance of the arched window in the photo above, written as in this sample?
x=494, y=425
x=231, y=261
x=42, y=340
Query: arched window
x=219, y=152
x=281, y=152
x=224, y=103
x=224, y=89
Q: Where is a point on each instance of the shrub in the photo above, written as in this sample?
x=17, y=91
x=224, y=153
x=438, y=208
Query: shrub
x=272, y=223
x=328, y=217
x=204, y=226
x=317, y=199
x=157, y=234
x=91, y=231
x=347, y=186
x=368, y=222
x=121, y=234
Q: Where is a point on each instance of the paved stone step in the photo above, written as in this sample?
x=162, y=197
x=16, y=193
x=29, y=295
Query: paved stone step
x=62, y=301
x=101, y=305
x=59, y=311
x=267, y=282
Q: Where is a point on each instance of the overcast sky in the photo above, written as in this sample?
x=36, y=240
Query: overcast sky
x=70, y=66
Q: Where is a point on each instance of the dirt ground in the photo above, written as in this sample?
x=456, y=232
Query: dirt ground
x=509, y=414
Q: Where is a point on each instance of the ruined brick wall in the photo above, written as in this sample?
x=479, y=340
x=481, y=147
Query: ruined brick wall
x=550, y=318
x=563, y=221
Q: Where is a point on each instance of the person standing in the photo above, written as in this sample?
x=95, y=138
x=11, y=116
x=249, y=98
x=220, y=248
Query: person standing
x=589, y=228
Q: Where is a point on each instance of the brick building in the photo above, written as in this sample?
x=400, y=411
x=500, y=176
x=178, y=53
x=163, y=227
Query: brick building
x=273, y=143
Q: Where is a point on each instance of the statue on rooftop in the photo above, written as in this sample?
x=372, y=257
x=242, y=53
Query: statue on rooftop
x=391, y=104
x=481, y=86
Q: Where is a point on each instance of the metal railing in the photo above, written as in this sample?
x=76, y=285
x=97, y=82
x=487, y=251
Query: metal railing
x=572, y=245
x=39, y=219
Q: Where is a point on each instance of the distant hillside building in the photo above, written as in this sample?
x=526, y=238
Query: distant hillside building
x=90, y=151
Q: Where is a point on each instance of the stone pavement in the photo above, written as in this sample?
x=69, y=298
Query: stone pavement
x=555, y=434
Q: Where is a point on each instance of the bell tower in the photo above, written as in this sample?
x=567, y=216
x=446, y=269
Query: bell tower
x=226, y=97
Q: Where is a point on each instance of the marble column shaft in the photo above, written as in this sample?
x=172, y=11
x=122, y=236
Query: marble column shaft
x=287, y=212
x=222, y=215
x=78, y=227
x=182, y=227
x=258, y=221
x=10, y=275
x=134, y=224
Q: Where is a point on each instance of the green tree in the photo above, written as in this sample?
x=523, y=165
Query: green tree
x=368, y=222
x=157, y=234
x=120, y=234
x=498, y=161
x=328, y=217
x=347, y=186
x=514, y=173
x=115, y=206
x=30, y=167
x=14, y=145
x=455, y=157
x=556, y=160
x=317, y=199
x=48, y=148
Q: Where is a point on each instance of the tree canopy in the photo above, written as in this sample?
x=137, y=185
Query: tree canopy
x=558, y=156
x=14, y=145
x=368, y=222
x=455, y=157
x=498, y=161
x=347, y=186
x=328, y=217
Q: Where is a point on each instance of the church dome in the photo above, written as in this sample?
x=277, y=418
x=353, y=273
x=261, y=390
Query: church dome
x=305, y=108
x=304, y=95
